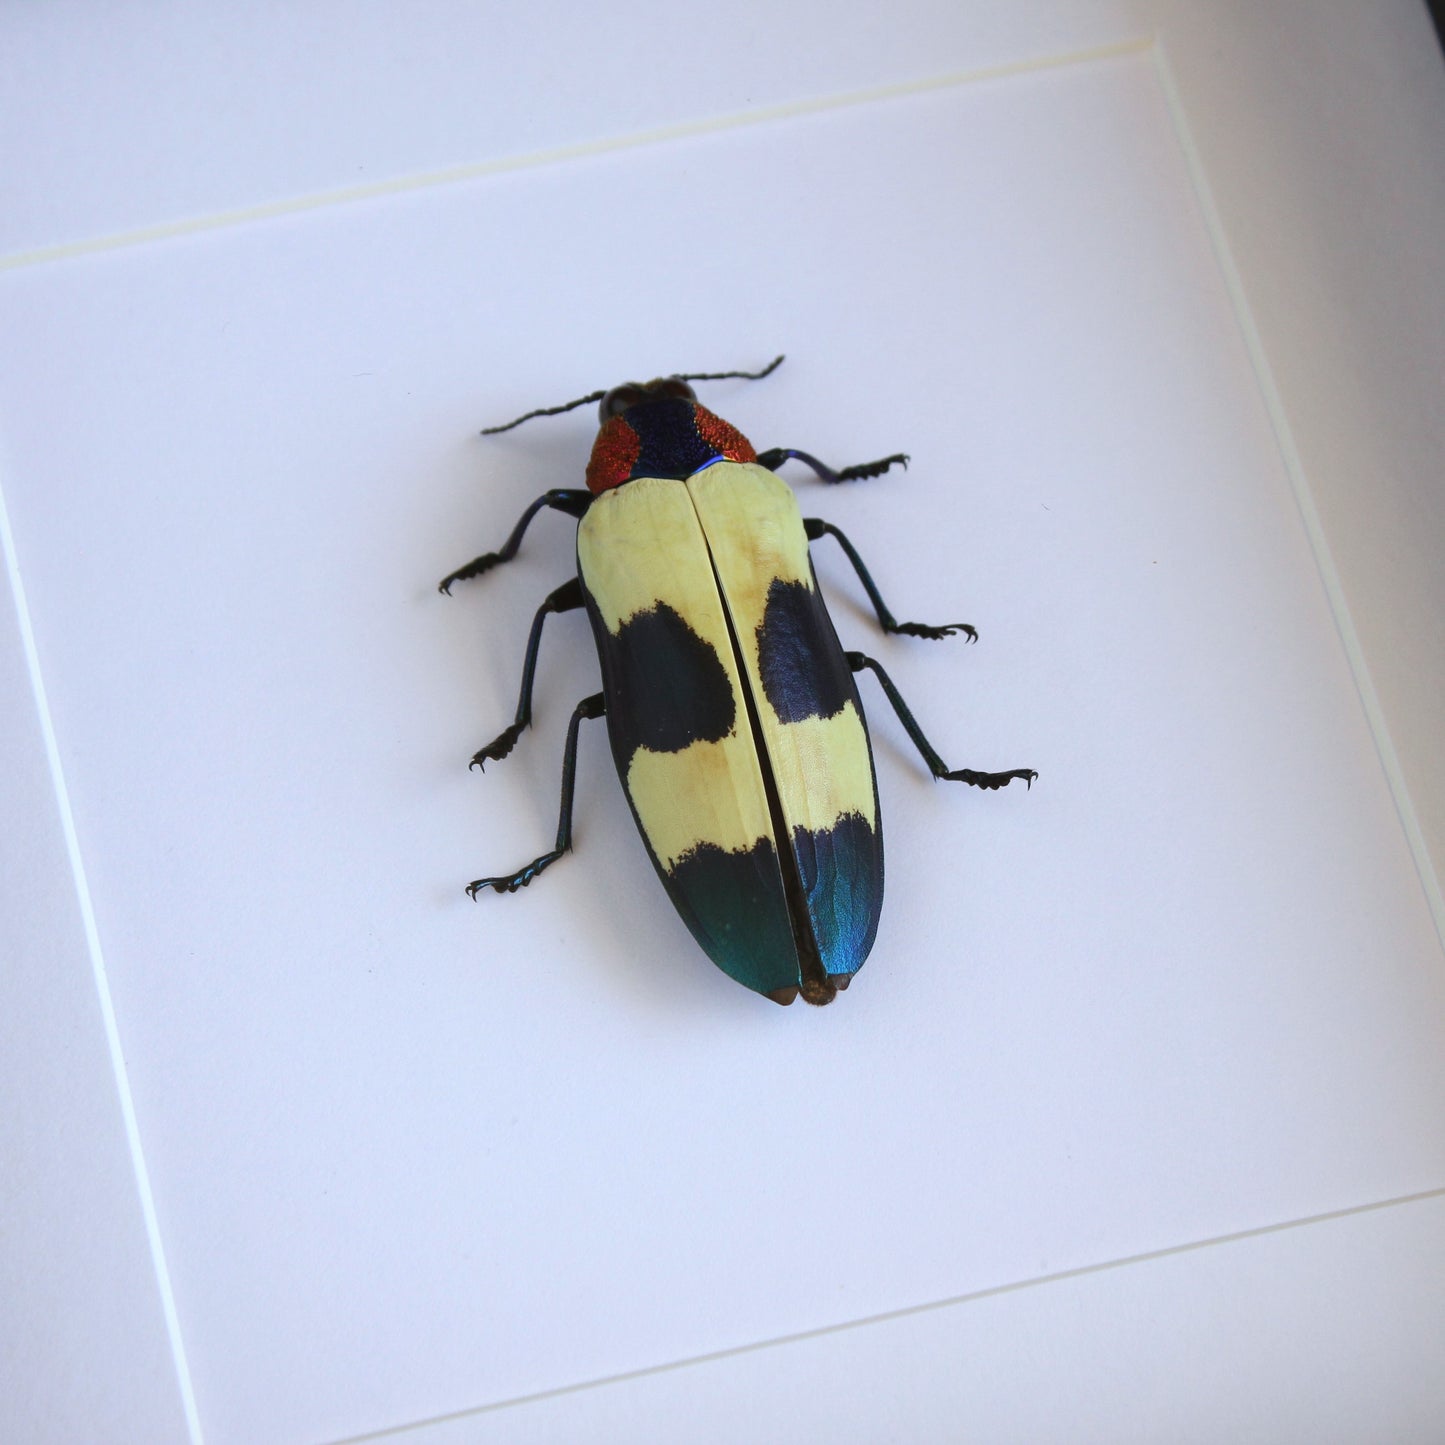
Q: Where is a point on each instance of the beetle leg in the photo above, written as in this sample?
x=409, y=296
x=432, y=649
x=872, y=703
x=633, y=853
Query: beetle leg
x=773, y=459
x=567, y=597
x=857, y=661
x=574, y=503
x=589, y=707
x=816, y=527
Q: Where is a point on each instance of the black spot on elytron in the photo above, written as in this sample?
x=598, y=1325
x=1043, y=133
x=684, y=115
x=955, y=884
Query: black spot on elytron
x=667, y=682
x=804, y=671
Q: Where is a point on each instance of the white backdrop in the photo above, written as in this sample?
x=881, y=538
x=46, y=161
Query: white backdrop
x=401, y=1155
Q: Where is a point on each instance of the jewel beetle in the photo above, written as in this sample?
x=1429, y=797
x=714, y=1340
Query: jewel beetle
x=731, y=706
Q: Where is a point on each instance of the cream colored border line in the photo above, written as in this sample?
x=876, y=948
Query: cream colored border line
x=102, y=981
x=555, y=155
x=397, y=1432
x=1304, y=498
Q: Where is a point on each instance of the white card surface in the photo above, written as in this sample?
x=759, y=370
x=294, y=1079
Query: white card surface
x=412, y=1154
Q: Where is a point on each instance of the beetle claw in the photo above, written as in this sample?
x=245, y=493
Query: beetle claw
x=514, y=881
x=991, y=780
x=862, y=470
x=474, y=568
x=498, y=748
x=922, y=629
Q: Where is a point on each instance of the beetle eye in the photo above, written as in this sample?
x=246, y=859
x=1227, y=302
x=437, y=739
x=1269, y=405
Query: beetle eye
x=620, y=398
x=673, y=386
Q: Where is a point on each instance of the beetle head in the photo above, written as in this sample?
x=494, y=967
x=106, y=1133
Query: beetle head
x=637, y=393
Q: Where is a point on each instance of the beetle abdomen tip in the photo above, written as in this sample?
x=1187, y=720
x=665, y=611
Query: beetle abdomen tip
x=819, y=991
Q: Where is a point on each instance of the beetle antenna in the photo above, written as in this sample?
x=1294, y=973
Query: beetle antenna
x=768, y=370
x=488, y=431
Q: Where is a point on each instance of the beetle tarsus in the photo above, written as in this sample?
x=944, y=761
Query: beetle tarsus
x=498, y=748
x=474, y=568
x=922, y=629
x=864, y=470
x=990, y=780
x=519, y=879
